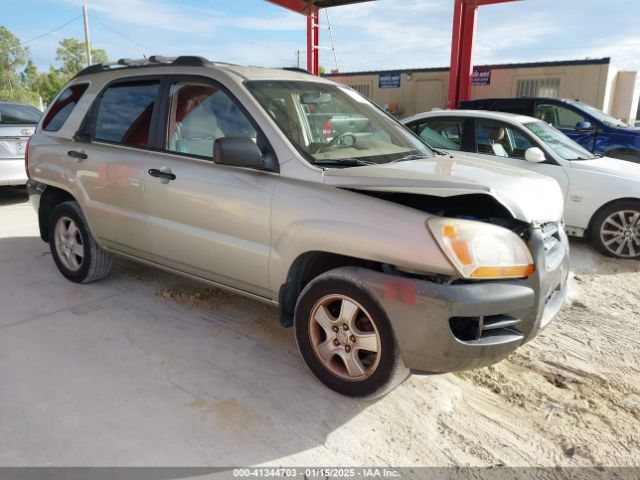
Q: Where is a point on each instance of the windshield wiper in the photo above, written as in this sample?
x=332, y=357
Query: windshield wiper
x=345, y=162
x=440, y=152
x=415, y=156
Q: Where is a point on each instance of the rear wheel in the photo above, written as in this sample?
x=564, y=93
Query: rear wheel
x=345, y=338
x=75, y=252
x=616, y=230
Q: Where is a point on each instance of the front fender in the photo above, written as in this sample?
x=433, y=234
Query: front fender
x=346, y=223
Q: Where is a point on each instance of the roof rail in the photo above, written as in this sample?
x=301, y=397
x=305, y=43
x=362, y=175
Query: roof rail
x=152, y=61
x=296, y=69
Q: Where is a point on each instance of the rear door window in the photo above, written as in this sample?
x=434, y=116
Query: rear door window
x=124, y=113
x=62, y=108
x=444, y=133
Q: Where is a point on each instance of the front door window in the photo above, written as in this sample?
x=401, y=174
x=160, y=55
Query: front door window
x=501, y=139
x=558, y=116
x=200, y=113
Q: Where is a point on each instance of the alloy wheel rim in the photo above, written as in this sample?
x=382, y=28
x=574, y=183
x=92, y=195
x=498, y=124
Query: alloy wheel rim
x=344, y=337
x=620, y=233
x=69, y=244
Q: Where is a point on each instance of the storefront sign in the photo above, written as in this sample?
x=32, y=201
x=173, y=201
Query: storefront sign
x=389, y=80
x=481, y=77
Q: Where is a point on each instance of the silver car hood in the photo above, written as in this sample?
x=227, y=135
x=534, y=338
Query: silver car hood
x=529, y=197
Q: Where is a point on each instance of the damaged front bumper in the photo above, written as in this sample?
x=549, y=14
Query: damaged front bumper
x=442, y=328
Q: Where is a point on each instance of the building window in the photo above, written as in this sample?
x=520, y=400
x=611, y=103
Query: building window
x=363, y=89
x=549, y=88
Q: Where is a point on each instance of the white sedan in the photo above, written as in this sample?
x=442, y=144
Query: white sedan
x=602, y=195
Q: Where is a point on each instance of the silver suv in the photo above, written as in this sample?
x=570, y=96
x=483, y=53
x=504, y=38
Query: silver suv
x=386, y=256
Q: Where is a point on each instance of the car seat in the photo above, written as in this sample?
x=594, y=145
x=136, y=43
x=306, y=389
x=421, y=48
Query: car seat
x=496, y=137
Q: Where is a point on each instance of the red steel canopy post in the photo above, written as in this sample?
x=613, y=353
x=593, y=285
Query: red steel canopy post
x=465, y=13
x=311, y=9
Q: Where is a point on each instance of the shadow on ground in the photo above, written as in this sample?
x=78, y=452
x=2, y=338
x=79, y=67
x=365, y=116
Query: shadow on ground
x=13, y=195
x=146, y=368
x=586, y=260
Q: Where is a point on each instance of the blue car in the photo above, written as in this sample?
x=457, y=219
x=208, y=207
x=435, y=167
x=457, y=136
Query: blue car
x=593, y=129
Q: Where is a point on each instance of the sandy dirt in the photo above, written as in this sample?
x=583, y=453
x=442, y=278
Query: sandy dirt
x=183, y=374
x=571, y=397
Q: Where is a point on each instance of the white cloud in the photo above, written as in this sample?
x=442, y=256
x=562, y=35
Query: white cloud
x=147, y=13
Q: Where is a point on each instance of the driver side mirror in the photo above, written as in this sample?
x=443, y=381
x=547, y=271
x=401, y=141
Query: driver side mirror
x=239, y=152
x=584, y=126
x=534, y=155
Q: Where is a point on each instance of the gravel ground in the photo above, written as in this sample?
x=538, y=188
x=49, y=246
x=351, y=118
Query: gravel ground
x=146, y=368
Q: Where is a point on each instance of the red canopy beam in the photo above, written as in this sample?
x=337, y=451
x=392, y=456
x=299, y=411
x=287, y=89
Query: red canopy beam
x=311, y=9
x=465, y=14
x=313, y=31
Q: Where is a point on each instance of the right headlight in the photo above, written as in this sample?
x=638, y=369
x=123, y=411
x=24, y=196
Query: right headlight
x=481, y=250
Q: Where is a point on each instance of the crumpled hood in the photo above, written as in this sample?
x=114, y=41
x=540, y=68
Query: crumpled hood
x=609, y=166
x=529, y=197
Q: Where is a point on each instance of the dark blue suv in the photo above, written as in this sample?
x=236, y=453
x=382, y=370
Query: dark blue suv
x=593, y=129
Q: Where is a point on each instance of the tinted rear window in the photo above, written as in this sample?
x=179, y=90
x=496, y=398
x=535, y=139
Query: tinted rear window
x=13, y=114
x=124, y=113
x=60, y=111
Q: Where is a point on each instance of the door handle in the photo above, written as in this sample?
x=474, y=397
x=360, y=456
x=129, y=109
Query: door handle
x=154, y=172
x=79, y=156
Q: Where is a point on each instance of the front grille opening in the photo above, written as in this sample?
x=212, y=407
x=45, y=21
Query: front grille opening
x=470, y=329
x=465, y=328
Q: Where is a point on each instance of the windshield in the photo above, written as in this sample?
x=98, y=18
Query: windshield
x=558, y=141
x=14, y=114
x=334, y=126
x=598, y=114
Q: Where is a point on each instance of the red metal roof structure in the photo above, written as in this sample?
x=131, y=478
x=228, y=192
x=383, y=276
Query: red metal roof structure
x=465, y=14
x=311, y=8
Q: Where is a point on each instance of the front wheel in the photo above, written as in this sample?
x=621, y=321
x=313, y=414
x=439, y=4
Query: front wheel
x=77, y=255
x=345, y=338
x=616, y=230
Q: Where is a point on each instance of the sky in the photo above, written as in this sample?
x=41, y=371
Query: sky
x=377, y=35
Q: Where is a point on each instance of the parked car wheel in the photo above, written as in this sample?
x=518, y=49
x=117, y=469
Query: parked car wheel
x=76, y=253
x=345, y=338
x=616, y=230
x=630, y=157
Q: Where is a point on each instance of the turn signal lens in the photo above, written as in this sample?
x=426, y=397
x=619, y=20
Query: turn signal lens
x=481, y=250
x=503, y=272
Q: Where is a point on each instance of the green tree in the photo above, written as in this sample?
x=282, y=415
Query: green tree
x=72, y=54
x=12, y=56
x=30, y=76
x=49, y=84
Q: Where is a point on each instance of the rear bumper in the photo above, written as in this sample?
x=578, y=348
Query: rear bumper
x=12, y=172
x=496, y=317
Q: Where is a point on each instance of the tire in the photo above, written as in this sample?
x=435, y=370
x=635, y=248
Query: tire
x=74, y=250
x=338, y=299
x=615, y=230
x=630, y=157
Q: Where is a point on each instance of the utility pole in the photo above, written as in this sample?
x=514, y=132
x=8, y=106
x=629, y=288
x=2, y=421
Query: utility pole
x=87, y=41
x=297, y=58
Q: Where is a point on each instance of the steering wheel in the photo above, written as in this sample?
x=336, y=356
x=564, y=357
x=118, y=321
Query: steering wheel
x=336, y=140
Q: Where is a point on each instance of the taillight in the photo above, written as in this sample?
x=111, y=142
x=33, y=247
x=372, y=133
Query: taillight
x=26, y=157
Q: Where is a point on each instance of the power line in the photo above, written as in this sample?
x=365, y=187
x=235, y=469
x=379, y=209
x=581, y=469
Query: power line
x=54, y=30
x=119, y=34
